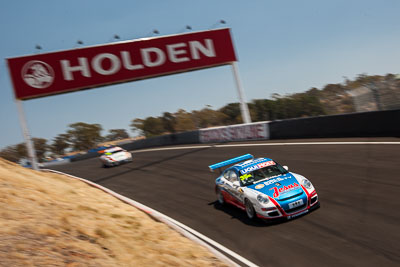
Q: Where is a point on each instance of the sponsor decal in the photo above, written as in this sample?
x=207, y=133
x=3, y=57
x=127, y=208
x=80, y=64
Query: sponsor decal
x=249, y=169
x=89, y=67
x=259, y=186
x=37, y=74
x=284, y=189
x=266, y=164
x=254, y=131
x=252, y=162
x=258, y=166
x=276, y=180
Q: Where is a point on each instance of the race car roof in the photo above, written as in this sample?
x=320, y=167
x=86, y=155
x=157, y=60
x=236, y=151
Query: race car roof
x=113, y=149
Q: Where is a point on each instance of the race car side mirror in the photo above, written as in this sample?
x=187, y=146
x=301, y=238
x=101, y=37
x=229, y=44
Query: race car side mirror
x=286, y=168
x=236, y=183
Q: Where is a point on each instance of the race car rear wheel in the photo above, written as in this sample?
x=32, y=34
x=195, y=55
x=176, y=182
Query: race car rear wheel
x=220, y=197
x=251, y=213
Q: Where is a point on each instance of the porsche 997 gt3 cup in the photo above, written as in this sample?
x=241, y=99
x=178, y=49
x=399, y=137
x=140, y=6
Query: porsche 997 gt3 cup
x=115, y=156
x=264, y=189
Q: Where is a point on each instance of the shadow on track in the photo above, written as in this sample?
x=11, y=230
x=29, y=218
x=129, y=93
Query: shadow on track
x=240, y=215
x=150, y=164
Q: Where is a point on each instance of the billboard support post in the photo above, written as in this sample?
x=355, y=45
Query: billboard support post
x=243, y=105
x=27, y=137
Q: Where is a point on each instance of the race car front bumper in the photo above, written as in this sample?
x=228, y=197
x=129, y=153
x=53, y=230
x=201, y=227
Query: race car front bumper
x=278, y=212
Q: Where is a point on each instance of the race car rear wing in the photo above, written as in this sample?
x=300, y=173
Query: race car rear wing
x=230, y=161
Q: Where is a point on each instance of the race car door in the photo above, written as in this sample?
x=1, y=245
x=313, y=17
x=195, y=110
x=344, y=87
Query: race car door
x=234, y=190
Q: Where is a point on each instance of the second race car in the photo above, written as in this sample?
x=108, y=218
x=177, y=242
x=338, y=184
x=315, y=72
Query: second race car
x=115, y=156
x=264, y=188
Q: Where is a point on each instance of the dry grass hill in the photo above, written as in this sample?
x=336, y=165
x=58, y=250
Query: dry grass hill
x=52, y=220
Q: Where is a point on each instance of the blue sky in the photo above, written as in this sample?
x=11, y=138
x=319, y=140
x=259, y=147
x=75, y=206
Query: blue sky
x=283, y=47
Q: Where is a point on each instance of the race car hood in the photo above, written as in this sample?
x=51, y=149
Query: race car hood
x=280, y=187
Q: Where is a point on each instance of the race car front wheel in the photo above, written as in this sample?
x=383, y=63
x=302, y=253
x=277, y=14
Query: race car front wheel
x=251, y=213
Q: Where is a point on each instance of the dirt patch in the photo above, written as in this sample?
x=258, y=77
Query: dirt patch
x=51, y=220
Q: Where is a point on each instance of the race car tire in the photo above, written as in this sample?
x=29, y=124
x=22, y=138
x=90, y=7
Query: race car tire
x=251, y=213
x=220, y=197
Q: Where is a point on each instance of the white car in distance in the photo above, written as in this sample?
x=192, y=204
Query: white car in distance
x=115, y=156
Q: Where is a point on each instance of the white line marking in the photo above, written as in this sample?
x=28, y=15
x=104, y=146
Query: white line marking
x=267, y=144
x=169, y=148
x=215, y=244
x=313, y=143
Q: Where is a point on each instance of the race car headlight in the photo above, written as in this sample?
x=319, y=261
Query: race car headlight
x=262, y=199
x=307, y=184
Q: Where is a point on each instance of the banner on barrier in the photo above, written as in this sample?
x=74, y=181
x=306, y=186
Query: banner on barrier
x=241, y=132
x=70, y=70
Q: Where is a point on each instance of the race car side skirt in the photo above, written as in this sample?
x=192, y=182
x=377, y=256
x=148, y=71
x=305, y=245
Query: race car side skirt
x=231, y=199
x=236, y=204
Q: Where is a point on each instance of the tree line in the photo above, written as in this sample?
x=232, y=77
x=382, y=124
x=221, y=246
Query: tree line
x=279, y=107
x=331, y=99
x=79, y=137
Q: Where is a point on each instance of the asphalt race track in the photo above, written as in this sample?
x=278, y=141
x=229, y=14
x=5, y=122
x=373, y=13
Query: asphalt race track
x=358, y=186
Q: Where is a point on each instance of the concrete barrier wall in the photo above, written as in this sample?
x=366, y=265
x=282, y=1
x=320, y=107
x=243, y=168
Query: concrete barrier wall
x=366, y=124
x=88, y=155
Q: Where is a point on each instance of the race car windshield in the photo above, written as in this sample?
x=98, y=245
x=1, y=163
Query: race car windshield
x=262, y=174
x=113, y=152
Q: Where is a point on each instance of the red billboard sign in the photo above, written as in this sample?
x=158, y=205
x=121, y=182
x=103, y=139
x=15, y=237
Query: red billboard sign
x=70, y=70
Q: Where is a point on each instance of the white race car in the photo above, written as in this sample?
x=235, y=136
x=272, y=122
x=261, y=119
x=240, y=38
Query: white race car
x=115, y=156
x=264, y=189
